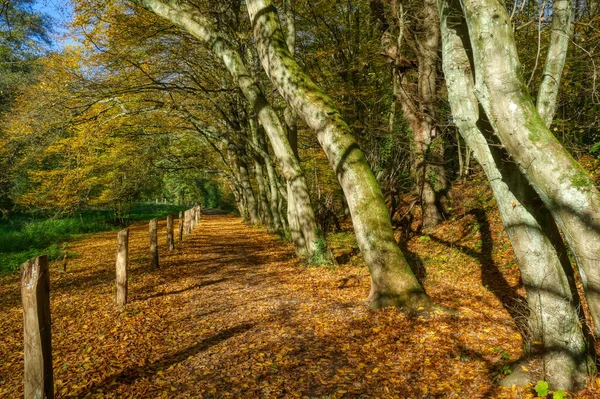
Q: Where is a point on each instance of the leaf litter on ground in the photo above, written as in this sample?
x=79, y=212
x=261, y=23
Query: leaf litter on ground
x=232, y=313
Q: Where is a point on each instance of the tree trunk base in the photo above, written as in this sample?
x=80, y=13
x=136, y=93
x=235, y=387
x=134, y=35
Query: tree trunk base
x=560, y=370
x=410, y=302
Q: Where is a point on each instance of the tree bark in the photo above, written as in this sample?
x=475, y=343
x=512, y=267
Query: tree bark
x=563, y=185
x=265, y=213
x=392, y=281
x=560, y=37
x=190, y=19
x=35, y=296
x=274, y=198
x=419, y=105
x=251, y=205
x=545, y=268
x=291, y=122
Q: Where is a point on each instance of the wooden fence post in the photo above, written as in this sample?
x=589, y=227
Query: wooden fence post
x=122, y=261
x=170, y=238
x=35, y=296
x=180, y=226
x=153, y=229
x=191, y=217
x=187, y=222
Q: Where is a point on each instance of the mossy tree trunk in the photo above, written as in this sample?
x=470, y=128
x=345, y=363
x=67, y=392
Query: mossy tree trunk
x=265, y=213
x=392, y=281
x=194, y=22
x=562, y=184
x=552, y=297
x=291, y=122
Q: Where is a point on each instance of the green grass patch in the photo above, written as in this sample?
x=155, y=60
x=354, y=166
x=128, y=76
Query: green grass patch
x=23, y=237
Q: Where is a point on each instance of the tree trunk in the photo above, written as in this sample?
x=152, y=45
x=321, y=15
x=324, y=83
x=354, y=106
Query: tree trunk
x=265, y=213
x=291, y=122
x=560, y=37
x=420, y=105
x=274, y=198
x=563, y=185
x=545, y=269
x=239, y=193
x=392, y=281
x=251, y=205
x=191, y=20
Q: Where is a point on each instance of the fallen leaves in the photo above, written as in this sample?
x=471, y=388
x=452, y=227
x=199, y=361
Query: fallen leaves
x=230, y=315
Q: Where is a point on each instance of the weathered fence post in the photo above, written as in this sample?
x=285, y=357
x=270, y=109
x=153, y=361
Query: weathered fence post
x=153, y=227
x=191, y=211
x=197, y=213
x=170, y=238
x=180, y=226
x=35, y=296
x=122, y=260
x=187, y=222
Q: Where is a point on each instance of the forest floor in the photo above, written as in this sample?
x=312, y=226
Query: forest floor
x=232, y=313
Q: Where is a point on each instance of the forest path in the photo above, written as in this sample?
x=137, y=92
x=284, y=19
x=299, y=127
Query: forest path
x=232, y=313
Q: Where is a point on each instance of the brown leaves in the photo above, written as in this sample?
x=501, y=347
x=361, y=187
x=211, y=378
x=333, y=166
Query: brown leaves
x=229, y=315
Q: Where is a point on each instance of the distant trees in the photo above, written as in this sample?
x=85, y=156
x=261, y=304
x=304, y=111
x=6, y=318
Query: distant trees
x=24, y=34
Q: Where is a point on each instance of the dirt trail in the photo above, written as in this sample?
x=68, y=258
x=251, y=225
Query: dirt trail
x=231, y=313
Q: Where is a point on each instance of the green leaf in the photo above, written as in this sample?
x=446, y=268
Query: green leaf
x=542, y=389
x=559, y=394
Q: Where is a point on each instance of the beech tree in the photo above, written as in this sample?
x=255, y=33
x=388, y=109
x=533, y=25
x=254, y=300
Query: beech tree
x=392, y=281
x=554, y=305
x=193, y=21
x=562, y=184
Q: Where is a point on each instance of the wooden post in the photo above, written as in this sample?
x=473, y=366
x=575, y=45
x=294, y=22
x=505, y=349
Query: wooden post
x=180, y=226
x=170, y=238
x=35, y=296
x=122, y=261
x=153, y=228
x=187, y=222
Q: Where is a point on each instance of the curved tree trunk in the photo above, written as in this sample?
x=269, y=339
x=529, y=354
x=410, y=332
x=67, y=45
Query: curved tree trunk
x=251, y=204
x=560, y=36
x=392, y=281
x=191, y=20
x=274, y=197
x=291, y=122
x=545, y=269
x=265, y=213
x=563, y=185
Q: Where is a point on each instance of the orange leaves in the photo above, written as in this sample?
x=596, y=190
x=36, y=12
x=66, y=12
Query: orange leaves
x=229, y=315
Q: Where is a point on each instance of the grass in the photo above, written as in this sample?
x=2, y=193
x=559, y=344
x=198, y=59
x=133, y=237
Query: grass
x=23, y=237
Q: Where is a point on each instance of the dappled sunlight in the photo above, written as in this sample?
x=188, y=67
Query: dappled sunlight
x=232, y=313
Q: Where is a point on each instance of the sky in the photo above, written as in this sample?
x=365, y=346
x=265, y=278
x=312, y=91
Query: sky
x=61, y=12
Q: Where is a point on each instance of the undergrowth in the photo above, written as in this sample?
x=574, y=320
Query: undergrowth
x=23, y=236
